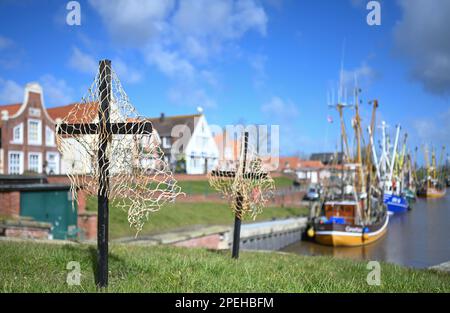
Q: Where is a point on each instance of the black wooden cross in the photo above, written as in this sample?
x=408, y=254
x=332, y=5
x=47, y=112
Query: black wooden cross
x=239, y=197
x=104, y=129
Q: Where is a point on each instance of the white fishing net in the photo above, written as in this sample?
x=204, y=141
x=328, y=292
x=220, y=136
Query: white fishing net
x=140, y=181
x=248, y=186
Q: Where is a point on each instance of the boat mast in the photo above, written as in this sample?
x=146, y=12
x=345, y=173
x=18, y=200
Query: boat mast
x=371, y=130
x=374, y=152
x=394, y=152
x=415, y=164
x=439, y=168
x=427, y=164
x=340, y=108
x=384, y=157
x=401, y=163
x=360, y=173
x=433, y=162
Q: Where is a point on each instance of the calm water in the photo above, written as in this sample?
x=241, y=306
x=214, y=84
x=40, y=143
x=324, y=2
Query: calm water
x=418, y=238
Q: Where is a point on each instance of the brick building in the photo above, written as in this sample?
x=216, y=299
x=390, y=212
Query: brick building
x=27, y=136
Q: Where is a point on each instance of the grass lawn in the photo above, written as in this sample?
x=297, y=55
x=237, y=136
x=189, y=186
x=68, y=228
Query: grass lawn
x=38, y=267
x=202, y=186
x=184, y=214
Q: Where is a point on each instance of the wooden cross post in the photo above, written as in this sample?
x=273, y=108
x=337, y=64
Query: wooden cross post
x=239, y=197
x=104, y=129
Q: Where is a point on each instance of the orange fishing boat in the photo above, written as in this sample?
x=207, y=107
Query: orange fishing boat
x=433, y=186
x=339, y=227
x=356, y=215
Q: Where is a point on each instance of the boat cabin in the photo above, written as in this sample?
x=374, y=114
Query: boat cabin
x=340, y=212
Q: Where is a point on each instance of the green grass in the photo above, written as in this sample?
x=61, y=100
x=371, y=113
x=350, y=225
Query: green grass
x=33, y=267
x=185, y=214
x=191, y=187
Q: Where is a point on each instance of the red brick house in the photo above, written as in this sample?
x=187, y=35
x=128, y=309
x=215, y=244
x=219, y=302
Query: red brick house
x=27, y=136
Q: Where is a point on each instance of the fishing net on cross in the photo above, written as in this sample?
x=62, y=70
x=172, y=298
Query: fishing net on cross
x=248, y=185
x=139, y=179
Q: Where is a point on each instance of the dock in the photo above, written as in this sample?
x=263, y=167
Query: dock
x=269, y=235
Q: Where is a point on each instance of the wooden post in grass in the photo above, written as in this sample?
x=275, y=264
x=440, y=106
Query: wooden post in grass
x=104, y=129
x=239, y=197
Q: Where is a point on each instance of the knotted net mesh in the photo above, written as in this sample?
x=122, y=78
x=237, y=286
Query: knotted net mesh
x=114, y=142
x=248, y=186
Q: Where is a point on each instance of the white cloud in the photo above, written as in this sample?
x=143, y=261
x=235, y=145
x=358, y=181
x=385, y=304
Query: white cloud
x=280, y=110
x=133, y=21
x=56, y=91
x=222, y=18
x=436, y=131
x=202, y=27
x=358, y=3
x=10, y=92
x=286, y=114
x=364, y=75
x=170, y=62
x=258, y=64
x=83, y=62
x=198, y=28
x=194, y=97
x=181, y=38
x=5, y=43
x=422, y=36
x=125, y=72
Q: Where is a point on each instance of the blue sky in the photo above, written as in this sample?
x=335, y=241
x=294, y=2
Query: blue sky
x=268, y=61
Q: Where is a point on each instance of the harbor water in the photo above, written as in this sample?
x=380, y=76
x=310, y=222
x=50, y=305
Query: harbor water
x=418, y=238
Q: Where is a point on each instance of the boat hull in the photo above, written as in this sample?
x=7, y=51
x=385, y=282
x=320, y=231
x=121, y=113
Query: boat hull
x=396, y=204
x=432, y=193
x=350, y=235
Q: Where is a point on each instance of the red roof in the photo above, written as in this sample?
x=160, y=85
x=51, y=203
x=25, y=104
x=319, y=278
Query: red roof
x=85, y=114
x=310, y=164
x=11, y=108
x=295, y=163
x=289, y=163
x=82, y=115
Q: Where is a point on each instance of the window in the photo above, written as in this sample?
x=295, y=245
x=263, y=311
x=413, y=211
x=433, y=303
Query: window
x=49, y=136
x=194, y=161
x=34, y=132
x=18, y=134
x=52, y=163
x=166, y=142
x=15, y=162
x=34, y=112
x=34, y=162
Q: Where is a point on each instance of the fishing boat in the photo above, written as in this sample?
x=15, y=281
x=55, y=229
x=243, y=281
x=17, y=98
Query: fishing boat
x=433, y=186
x=389, y=170
x=396, y=204
x=410, y=179
x=343, y=225
x=410, y=195
x=432, y=189
x=356, y=215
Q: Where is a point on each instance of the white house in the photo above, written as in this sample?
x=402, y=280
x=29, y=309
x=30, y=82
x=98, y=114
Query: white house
x=187, y=141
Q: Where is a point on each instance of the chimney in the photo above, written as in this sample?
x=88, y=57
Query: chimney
x=5, y=115
x=161, y=118
x=33, y=87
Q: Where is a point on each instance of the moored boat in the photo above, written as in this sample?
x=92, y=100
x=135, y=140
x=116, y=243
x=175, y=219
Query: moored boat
x=338, y=227
x=433, y=186
x=352, y=214
x=395, y=203
x=410, y=195
x=431, y=192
